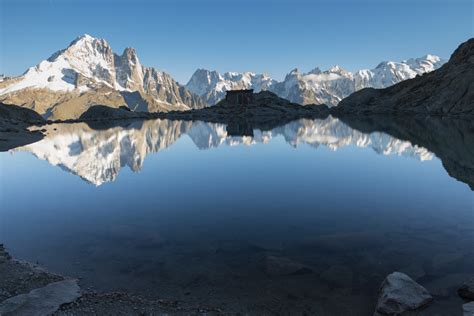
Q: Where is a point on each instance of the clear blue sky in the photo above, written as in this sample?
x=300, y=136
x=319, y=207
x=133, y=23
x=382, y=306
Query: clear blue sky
x=260, y=36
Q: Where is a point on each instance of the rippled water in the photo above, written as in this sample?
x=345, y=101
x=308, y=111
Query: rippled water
x=307, y=217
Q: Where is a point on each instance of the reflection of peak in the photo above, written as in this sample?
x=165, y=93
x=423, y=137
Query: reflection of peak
x=98, y=155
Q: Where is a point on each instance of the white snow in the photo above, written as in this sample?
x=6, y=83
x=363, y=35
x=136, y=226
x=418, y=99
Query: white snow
x=318, y=86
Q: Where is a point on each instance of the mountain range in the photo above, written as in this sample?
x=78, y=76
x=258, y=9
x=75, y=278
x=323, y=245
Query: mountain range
x=88, y=72
x=314, y=87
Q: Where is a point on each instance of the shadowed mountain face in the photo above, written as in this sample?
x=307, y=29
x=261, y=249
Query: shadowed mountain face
x=98, y=154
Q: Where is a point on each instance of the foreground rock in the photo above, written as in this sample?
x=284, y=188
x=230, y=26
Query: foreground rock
x=42, y=301
x=468, y=309
x=448, y=90
x=28, y=290
x=14, y=123
x=466, y=291
x=399, y=293
x=17, y=277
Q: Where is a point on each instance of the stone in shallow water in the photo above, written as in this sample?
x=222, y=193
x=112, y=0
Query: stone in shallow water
x=468, y=309
x=466, y=291
x=283, y=266
x=399, y=293
x=42, y=301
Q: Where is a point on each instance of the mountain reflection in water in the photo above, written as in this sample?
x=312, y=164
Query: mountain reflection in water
x=97, y=154
x=260, y=228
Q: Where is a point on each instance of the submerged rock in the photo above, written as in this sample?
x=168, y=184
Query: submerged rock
x=466, y=291
x=283, y=266
x=399, y=293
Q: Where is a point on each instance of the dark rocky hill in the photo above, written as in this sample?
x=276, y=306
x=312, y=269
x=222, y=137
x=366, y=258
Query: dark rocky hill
x=448, y=90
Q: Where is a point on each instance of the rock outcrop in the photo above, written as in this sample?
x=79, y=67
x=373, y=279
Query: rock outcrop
x=102, y=112
x=14, y=124
x=466, y=291
x=16, y=113
x=468, y=309
x=446, y=91
x=267, y=111
x=399, y=293
x=42, y=301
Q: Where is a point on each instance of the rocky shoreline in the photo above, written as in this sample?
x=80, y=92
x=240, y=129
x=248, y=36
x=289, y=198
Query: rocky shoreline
x=29, y=290
x=26, y=289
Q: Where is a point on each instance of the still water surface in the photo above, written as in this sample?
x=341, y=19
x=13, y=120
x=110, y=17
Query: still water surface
x=308, y=217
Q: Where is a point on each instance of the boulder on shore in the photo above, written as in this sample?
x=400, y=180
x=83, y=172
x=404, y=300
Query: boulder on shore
x=400, y=293
x=468, y=309
x=466, y=291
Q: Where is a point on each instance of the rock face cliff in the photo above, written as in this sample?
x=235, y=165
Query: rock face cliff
x=88, y=72
x=446, y=91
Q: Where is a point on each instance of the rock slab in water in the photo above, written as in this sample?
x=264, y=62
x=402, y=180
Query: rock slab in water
x=400, y=293
x=284, y=266
x=466, y=291
x=42, y=301
x=468, y=309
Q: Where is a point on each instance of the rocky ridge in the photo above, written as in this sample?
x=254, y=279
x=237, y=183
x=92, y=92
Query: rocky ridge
x=446, y=91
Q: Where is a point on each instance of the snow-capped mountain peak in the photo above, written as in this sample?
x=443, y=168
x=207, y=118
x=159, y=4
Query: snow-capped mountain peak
x=88, y=64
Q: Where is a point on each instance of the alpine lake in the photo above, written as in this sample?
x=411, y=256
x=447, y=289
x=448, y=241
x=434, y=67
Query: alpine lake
x=305, y=218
